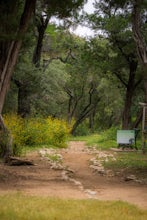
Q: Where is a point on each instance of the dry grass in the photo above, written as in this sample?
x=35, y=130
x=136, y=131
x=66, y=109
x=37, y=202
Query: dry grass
x=20, y=207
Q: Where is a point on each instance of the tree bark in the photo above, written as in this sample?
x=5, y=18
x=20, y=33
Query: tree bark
x=5, y=140
x=87, y=109
x=92, y=117
x=12, y=55
x=140, y=41
x=130, y=87
x=138, y=119
x=91, y=120
x=41, y=27
x=73, y=102
x=127, y=109
x=9, y=63
x=24, y=107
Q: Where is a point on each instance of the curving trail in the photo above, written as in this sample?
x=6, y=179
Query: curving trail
x=77, y=181
x=107, y=188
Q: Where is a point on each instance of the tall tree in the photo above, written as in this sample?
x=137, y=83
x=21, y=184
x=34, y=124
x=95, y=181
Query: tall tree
x=113, y=18
x=139, y=31
x=12, y=32
x=10, y=46
x=43, y=13
x=82, y=86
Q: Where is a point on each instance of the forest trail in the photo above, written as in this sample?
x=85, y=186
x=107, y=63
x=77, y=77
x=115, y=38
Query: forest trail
x=72, y=178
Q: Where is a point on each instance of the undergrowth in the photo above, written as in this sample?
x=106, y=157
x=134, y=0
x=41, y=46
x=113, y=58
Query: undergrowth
x=103, y=140
x=36, y=132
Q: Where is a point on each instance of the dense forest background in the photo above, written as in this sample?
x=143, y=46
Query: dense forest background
x=92, y=83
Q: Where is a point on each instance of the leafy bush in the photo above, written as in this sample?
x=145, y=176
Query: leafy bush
x=109, y=134
x=102, y=140
x=15, y=124
x=82, y=130
x=56, y=132
x=36, y=131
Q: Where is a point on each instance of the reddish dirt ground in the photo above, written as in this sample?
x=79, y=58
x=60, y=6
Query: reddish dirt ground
x=83, y=183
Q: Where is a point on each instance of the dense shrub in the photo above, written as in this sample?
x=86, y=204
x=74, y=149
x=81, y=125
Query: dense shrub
x=34, y=133
x=16, y=126
x=109, y=134
x=82, y=130
x=107, y=138
x=37, y=131
x=57, y=132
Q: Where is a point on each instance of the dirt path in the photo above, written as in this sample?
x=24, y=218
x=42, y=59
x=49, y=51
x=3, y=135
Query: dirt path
x=77, y=180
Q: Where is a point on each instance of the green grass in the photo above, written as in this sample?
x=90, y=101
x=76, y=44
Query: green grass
x=104, y=140
x=133, y=161
x=54, y=158
x=20, y=207
x=98, y=140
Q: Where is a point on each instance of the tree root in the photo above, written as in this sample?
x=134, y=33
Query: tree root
x=14, y=161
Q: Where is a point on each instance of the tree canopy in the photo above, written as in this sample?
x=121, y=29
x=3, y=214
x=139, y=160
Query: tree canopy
x=95, y=82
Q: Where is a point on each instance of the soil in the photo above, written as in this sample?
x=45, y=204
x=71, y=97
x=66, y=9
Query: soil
x=77, y=180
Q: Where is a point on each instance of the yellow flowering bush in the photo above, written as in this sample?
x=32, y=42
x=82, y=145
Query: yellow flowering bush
x=16, y=126
x=37, y=131
x=34, y=131
x=57, y=132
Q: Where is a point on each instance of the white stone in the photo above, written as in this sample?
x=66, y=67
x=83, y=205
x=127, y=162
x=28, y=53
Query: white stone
x=91, y=192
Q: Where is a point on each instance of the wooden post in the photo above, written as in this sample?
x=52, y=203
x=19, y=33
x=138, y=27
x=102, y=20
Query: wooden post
x=144, y=127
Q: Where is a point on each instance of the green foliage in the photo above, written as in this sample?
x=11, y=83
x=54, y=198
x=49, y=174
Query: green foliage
x=114, y=19
x=51, y=30
x=133, y=162
x=51, y=97
x=22, y=207
x=10, y=12
x=16, y=126
x=107, y=139
x=104, y=140
x=54, y=158
x=36, y=131
x=5, y=141
x=57, y=132
x=82, y=130
x=109, y=134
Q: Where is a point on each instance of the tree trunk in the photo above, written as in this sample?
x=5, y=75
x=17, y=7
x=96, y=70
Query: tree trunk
x=145, y=82
x=23, y=102
x=126, y=118
x=9, y=63
x=92, y=118
x=76, y=124
x=23, y=99
x=138, y=119
x=5, y=141
x=130, y=87
x=139, y=39
x=41, y=27
x=84, y=114
x=73, y=103
x=127, y=109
